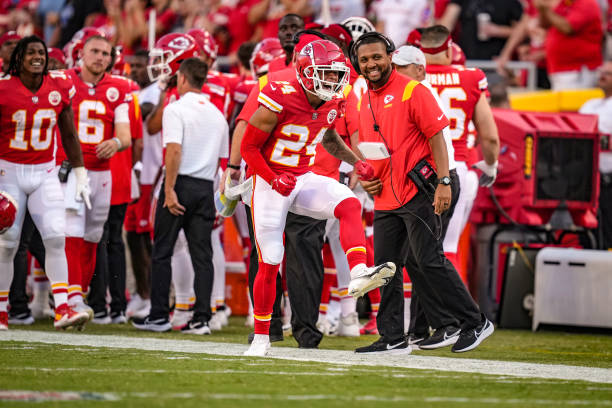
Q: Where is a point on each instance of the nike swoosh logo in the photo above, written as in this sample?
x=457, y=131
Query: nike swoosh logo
x=272, y=86
x=481, y=330
x=391, y=347
x=49, y=171
x=440, y=117
x=448, y=337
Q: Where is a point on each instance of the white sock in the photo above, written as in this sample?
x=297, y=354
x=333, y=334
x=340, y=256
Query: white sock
x=348, y=304
x=182, y=274
x=56, y=268
x=218, y=290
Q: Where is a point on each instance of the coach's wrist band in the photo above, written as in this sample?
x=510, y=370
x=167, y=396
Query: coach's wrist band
x=233, y=166
x=116, y=139
x=138, y=166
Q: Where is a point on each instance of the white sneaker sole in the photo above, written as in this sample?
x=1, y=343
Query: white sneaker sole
x=196, y=331
x=406, y=350
x=488, y=331
x=154, y=328
x=445, y=343
x=257, y=350
x=380, y=277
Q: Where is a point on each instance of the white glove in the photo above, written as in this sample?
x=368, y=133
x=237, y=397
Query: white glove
x=82, y=186
x=489, y=173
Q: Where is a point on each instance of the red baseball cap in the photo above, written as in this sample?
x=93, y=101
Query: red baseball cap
x=9, y=35
x=57, y=54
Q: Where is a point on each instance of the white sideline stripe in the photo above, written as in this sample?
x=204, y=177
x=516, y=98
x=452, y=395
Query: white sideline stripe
x=489, y=367
x=164, y=371
x=40, y=396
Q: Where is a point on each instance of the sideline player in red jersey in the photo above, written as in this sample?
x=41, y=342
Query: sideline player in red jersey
x=279, y=146
x=101, y=115
x=39, y=100
x=463, y=92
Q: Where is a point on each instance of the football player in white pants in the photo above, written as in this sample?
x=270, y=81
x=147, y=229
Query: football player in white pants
x=102, y=119
x=38, y=101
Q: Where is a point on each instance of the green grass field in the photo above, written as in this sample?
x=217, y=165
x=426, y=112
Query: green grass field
x=124, y=377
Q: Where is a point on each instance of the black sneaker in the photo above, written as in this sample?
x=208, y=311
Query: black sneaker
x=415, y=339
x=23, y=319
x=118, y=318
x=470, y=339
x=196, y=327
x=101, y=317
x=381, y=346
x=156, y=325
x=442, y=337
x=273, y=337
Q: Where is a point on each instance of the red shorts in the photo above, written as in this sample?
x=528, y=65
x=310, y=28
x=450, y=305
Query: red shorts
x=137, y=217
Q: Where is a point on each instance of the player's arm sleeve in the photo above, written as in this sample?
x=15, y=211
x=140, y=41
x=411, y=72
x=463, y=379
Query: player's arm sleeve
x=424, y=110
x=224, y=151
x=122, y=113
x=172, y=125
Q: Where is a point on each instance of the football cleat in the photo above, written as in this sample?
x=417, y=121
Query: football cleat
x=79, y=306
x=348, y=326
x=364, y=279
x=259, y=347
x=215, y=322
x=180, y=318
x=65, y=317
x=370, y=327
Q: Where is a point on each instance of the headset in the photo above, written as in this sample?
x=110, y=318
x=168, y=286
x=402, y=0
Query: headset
x=389, y=47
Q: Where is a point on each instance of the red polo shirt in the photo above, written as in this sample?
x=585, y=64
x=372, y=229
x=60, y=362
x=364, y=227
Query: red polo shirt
x=408, y=116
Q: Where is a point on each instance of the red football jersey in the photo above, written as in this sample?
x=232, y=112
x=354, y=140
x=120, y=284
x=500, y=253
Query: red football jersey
x=243, y=89
x=121, y=163
x=292, y=143
x=27, y=121
x=459, y=89
x=218, y=91
x=94, y=114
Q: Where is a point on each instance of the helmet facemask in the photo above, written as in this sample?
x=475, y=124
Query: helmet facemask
x=322, y=88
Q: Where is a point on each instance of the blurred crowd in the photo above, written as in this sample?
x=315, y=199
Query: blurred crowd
x=500, y=30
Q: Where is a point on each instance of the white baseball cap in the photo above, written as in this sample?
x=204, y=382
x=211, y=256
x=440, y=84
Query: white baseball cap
x=407, y=54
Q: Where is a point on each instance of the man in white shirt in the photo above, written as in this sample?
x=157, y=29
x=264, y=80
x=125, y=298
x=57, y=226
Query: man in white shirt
x=196, y=137
x=602, y=107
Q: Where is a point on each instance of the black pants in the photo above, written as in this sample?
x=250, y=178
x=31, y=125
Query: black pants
x=438, y=316
x=110, y=265
x=304, y=268
x=303, y=244
x=605, y=210
x=196, y=195
x=30, y=240
x=429, y=270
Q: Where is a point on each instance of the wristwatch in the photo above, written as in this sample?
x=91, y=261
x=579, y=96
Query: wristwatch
x=444, y=180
